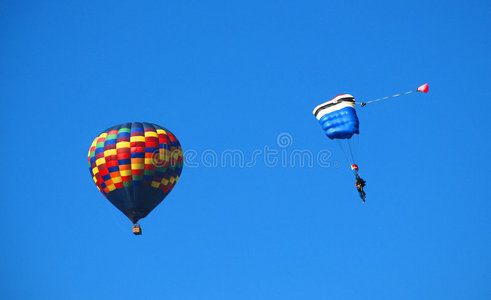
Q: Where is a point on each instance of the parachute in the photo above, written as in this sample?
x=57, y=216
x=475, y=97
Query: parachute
x=135, y=166
x=338, y=117
x=339, y=121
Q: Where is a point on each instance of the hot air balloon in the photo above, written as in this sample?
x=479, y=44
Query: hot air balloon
x=135, y=166
x=339, y=121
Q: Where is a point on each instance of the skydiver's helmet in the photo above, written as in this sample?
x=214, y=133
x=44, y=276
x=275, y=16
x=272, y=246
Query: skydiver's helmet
x=354, y=167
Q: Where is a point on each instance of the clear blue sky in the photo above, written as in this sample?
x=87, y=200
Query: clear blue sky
x=229, y=75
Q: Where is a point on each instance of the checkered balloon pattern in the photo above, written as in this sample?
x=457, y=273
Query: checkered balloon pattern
x=138, y=158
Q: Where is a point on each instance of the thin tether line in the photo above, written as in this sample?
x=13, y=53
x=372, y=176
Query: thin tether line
x=385, y=98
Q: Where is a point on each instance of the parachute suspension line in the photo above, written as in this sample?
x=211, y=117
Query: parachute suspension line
x=351, y=152
x=357, y=143
x=344, y=152
x=385, y=98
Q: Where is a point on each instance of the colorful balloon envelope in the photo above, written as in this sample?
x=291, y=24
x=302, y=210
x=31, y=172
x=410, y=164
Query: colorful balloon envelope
x=135, y=166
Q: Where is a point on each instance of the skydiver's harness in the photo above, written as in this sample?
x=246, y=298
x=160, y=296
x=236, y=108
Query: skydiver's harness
x=359, y=181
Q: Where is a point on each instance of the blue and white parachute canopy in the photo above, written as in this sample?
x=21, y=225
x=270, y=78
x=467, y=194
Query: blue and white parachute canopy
x=338, y=117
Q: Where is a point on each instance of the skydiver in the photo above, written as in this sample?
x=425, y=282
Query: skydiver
x=360, y=183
